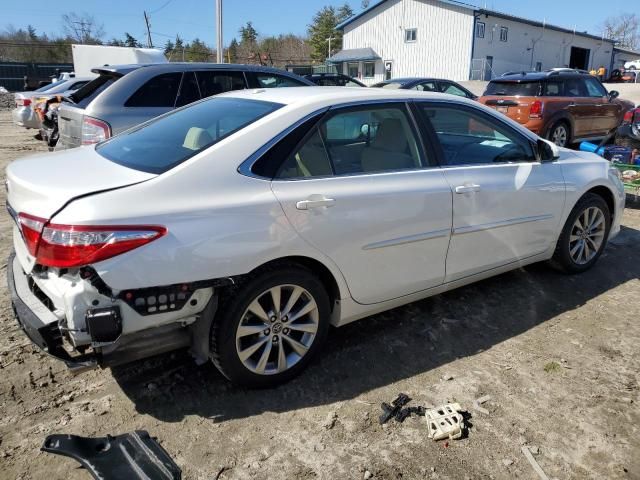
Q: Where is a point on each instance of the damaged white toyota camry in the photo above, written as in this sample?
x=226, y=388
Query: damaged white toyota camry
x=242, y=226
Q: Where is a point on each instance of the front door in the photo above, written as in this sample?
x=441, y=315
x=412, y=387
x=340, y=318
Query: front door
x=506, y=204
x=361, y=190
x=581, y=107
x=607, y=113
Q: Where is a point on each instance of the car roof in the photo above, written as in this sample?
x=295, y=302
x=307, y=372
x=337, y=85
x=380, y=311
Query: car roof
x=189, y=66
x=334, y=95
x=538, y=76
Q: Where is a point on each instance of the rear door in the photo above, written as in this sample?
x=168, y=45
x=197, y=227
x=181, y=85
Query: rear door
x=361, y=190
x=506, y=204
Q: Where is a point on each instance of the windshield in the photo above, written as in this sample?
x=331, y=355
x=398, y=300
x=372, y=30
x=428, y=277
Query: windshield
x=162, y=144
x=512, y=89
x=50, y=86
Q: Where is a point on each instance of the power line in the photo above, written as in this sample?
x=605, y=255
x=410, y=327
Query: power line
x=163, y=5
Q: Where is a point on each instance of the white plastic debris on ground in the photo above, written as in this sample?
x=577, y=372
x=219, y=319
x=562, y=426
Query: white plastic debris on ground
x=445, y=421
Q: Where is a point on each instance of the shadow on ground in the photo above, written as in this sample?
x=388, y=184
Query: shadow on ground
x=386, y=348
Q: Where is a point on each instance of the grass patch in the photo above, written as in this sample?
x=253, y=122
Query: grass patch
x=552, y=367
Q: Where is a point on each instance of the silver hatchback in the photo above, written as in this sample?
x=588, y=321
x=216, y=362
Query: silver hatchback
x=127, y=95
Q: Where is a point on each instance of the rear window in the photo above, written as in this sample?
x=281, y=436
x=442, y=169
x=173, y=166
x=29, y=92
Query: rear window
x=512, y=89
x=167, y=141
x=83, y=96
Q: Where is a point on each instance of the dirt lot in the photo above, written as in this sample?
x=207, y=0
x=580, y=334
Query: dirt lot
x=558, y=355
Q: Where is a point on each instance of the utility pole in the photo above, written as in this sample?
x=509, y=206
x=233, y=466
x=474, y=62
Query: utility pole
x=329, y=40
x=219, y=54
x=146, y=20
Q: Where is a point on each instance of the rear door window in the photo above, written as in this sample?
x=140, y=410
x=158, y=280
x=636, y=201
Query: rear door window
x=189, y=92
x=160, y=91
x=213, y=82
x=512, y=89
x=554, y=89
x=358, y=140
x=574, y=87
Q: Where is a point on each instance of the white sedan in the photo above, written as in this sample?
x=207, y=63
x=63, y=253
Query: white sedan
x=244, y=225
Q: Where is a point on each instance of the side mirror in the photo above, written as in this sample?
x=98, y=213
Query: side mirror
x=547, y=151
x=613, y=94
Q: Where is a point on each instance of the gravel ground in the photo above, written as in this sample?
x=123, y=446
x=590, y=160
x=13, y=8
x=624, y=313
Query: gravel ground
x=558, y=355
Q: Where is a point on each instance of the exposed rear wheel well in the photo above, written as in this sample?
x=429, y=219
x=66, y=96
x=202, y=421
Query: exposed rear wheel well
x=607, y=196
x=322, y=272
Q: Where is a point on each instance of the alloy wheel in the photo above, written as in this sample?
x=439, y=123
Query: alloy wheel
x=559, y=135
x=277, y=329
x=587, y=235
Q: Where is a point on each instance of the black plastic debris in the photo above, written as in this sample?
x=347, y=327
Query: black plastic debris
x=129, y=456
x=396, y=411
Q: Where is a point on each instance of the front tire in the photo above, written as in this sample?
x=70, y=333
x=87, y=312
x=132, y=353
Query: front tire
x=583, y=236
x=268, y=329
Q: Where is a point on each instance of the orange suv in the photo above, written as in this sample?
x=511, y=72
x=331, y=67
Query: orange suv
x=562, y=105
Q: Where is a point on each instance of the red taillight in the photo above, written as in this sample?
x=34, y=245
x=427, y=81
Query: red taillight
x=535, y=111
x=66, y=246
x=23, y=102
x=94, y=130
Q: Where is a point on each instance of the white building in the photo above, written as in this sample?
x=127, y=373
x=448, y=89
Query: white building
x=450, y=39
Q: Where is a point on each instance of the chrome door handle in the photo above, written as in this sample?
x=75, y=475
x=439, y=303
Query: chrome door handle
x=468, y=188
x=315, y=201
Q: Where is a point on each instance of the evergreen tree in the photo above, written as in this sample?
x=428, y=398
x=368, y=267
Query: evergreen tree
x=323, y=27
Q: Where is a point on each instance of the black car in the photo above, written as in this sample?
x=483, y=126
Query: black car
x=427, y=85
x=333, y=80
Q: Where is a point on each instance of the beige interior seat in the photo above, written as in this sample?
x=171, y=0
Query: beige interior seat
x=389, y=149
x=197, y=138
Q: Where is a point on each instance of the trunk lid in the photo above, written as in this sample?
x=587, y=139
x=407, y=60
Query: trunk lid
x=69, y=126
x=41, y=185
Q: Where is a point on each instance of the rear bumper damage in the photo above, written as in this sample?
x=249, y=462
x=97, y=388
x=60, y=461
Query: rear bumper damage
x=101, y=328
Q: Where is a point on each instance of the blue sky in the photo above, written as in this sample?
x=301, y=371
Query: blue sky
x=196, y=18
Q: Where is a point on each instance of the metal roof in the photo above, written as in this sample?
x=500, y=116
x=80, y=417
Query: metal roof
x=376, y=5
x=354, y=54
x=483, y=11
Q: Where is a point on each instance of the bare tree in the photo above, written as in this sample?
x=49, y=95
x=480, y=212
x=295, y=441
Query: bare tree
x=82, y=28
x=624, y=28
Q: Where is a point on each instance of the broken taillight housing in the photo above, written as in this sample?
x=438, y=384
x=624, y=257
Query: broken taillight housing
x=66, y=246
